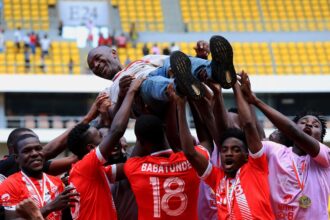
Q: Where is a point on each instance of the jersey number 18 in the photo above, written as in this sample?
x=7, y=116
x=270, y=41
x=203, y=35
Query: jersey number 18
x=162, y=202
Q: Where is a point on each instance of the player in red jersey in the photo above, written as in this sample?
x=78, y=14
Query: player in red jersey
x=241, y=184
x=164, y=183
x=89, y=175
x=46, y=191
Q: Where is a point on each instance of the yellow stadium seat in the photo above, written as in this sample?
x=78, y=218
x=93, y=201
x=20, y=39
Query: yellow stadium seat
x=2, y=69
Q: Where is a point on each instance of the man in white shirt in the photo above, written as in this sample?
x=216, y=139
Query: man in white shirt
x=160, y=71
x=45, y=44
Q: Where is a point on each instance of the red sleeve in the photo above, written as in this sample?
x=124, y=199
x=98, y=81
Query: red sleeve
x=131, y=165
x=88, y=166
x=259, y=163
x=213, y=177
x=10, y=193
x=202, y=150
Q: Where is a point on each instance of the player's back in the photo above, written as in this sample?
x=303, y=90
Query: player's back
x=165, y=187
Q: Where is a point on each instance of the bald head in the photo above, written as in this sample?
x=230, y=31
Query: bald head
x=103, y=61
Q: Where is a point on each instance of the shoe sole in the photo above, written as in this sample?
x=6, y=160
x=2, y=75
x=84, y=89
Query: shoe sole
x=186, y=83
x=223, y=70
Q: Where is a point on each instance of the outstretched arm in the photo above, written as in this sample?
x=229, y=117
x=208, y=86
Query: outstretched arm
x=203, y=133
x=171, y=123
x=119, y=123
x=197, y=160
x=61, y=165
x=260, y=129
x=204, y=108
x=222, y=121
x=56, y=146
x=289, y=128
x=124, y=85
x=247, y=121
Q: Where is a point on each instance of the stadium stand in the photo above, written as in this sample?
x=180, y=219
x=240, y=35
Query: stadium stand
x=255, y=16
x=212, y=15
x=295, y=15
x=301, y=57
x=27, y=14
x=146, y=14
x=262, y=57
x=57, y=62
x=256, y=57
x=287, y=56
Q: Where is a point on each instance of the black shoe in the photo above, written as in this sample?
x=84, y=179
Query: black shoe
x=186, y=83
x=223, y=70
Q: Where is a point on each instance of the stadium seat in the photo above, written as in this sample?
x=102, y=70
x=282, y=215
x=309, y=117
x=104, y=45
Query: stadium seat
x=263, y=15
x=56, y=62
x=27, y=14
x=262, y=58
x=147, y=15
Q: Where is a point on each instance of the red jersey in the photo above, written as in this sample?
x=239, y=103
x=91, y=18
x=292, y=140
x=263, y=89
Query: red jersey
x=245, y=197
x=88, y=176
x=19, y=187
x=164, y=187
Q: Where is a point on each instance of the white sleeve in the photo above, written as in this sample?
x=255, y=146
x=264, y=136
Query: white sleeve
x=257, y=154
x=99, y=155
x=113, y=173
x=156, y=60
x=207, y=171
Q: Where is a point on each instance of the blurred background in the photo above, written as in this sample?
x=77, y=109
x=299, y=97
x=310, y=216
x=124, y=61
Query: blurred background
x=45, y=83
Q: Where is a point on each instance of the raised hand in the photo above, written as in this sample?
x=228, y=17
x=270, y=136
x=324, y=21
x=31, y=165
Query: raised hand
x=94, y=110
x=104, y=106
x=135, y=85
x=244, y=80
x=173, y=97
x=215, y=87
x=124, y=84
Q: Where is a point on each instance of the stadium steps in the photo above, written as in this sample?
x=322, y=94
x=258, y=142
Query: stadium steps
x=172, y=16
x=145, y=14
x=53, y=18
x=115, y=21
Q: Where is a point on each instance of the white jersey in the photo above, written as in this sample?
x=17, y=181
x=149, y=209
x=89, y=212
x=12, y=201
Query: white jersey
x=139, y=69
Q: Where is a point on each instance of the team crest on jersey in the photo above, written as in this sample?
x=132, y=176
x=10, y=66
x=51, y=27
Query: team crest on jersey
x=5, y=197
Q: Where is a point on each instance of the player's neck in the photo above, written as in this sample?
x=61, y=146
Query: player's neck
x=298, y=151
x=163, y=151
x=33, y=174
x=231, y=174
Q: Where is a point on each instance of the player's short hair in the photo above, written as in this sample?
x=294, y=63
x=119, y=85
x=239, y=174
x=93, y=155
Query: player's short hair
x=280, y=138
x=20, y=138
x=318, y=116
x=14, y=134
x=235, y=133
x=149, y=128
x=233, y=110
x=77, y=139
